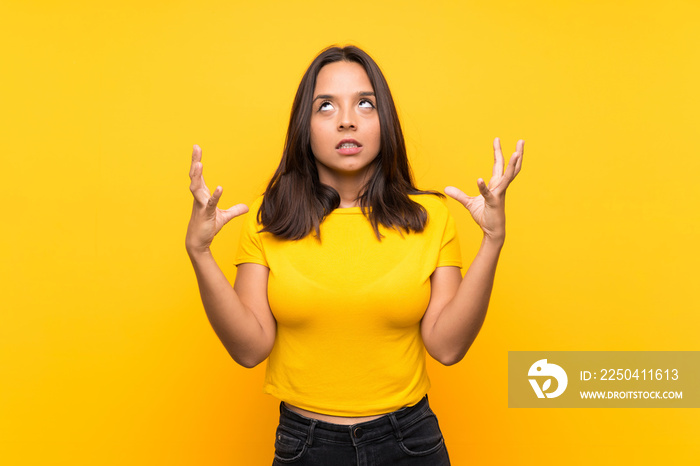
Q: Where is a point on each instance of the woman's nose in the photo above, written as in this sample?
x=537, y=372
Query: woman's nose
x=346, y=120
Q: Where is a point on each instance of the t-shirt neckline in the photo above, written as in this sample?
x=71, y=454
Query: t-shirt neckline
x=348, y=210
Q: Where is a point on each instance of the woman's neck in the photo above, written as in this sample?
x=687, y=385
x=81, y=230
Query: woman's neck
x=348, y=186
x=348, y=194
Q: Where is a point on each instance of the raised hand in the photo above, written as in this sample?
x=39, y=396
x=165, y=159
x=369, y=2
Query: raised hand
x=488, y=209
x=207, y=219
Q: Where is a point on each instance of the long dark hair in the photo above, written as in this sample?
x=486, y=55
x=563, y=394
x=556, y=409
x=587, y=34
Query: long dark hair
x=296, y=202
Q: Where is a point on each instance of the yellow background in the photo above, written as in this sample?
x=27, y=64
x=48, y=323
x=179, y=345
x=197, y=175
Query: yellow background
x=106, y=354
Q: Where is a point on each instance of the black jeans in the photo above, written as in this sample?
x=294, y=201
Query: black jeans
x=409, y=436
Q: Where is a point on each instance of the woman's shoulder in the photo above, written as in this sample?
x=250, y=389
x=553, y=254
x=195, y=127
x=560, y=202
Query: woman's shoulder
x=256, y=203
x=253, y=207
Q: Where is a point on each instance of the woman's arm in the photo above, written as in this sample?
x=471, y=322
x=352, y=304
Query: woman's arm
x=458, y=306
x=240, y=315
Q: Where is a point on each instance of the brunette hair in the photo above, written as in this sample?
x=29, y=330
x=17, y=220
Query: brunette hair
x=296, y=202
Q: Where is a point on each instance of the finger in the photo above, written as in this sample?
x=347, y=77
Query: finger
x=196, y=157
x=196, y=172
x=521, y=149
x=483, y=189
x=497, y=158
x=515, y=162
x=518, y=165
x=214, y=199
x=233, y=212
x=197, y=180
x=196, y=163
x=510, y=170
x=197, y=186
x=458, y=195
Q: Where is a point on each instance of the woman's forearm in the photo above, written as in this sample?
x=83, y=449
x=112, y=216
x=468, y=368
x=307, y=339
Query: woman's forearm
x=460, y=321
x=234, y=324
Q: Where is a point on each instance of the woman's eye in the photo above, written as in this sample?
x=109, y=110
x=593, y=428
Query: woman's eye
x=366, y=104
x=325, y=106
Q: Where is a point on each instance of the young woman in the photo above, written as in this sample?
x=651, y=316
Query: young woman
x=347, y=274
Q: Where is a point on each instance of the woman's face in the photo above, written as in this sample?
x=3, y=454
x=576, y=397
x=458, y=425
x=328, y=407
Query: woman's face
x=345, y=132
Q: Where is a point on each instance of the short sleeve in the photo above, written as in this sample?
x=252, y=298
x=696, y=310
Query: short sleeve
x=250, y=245
x=450, y=252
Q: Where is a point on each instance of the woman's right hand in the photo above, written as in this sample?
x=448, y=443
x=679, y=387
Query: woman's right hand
x=207, y=219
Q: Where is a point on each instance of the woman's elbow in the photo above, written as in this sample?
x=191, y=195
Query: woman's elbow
x=247, y=362
x=251, y=359
x=450, y=359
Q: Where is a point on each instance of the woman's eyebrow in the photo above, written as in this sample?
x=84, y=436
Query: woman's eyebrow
x=328, y=96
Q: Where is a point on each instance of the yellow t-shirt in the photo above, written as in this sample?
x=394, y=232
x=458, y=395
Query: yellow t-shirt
x=348, y=309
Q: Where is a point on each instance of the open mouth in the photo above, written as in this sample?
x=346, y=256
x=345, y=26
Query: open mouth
x=348, y=144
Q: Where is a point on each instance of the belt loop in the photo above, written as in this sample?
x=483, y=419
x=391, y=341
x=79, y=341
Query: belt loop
x=310, y=438
x=395, y=425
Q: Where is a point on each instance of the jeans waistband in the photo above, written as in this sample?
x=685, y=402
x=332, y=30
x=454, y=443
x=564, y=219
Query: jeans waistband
x=363, y=432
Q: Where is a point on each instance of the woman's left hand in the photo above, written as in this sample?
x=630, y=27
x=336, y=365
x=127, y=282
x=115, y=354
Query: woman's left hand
x=488, y=209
